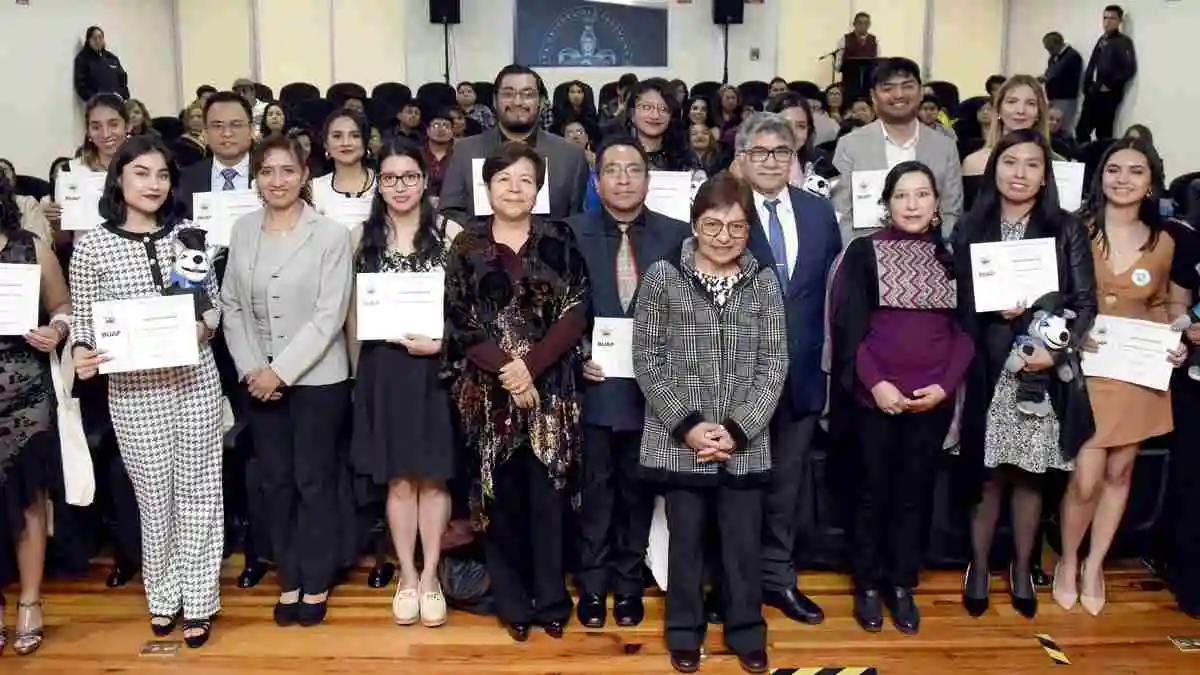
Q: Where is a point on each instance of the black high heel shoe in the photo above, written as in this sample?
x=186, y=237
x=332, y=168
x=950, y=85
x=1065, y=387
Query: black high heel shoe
x=1025, y=606
x=162, y=625
x=197, y=640
x=975, y=606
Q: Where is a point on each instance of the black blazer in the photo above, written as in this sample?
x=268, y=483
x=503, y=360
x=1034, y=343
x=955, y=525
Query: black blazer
x=618, y=403
x=804, y=393
x=1113, y=64
x=1064, y=72
x=193, y=179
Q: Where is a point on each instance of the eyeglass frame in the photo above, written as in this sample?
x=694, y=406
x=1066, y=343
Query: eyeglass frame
x=394, y=179
x=780, y=153
x=725, y=227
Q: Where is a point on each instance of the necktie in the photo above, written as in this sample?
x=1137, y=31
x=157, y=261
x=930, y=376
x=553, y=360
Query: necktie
x=627, y=274
x=228, y=175
x=775, y=236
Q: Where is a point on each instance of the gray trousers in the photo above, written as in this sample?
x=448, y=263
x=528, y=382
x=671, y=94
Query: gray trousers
x=784, y=498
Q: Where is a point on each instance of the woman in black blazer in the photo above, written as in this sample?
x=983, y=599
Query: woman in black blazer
x=97, y=70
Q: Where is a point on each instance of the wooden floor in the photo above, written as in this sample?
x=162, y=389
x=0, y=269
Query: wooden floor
x=94, y=630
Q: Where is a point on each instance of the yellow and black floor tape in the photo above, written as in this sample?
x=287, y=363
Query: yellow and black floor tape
x=1057, y=655
x=859, y=670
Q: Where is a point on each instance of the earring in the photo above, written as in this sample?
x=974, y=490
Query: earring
x=937, y=220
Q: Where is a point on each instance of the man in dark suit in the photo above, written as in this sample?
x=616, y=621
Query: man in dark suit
x=619, y=244
x=1109, y=71
x=517, y=119
x=1064, y=71
x=797, y=233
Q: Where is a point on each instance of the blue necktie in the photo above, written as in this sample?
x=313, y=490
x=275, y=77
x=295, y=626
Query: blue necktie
x=775, y=237
x=228, y=175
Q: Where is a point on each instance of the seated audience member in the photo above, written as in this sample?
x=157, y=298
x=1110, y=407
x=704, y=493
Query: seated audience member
x=1061, y=142
x=28, y=210
x=896, y=92
x=475, y=110
x=245, y=88
x=899, y=357
x=437, y=151
x=139, y=118
x=566, y=165
x=708, y=445
x=654, y=123
x=574, y=102
x=407, y=124
x=191, y=147
x=703, y=155
x=862, y=111
x=1140, y=131
x=835, y=103
x=274, y=121
x=795, y=109
x=930, y=113
x=993, y=84
x=1020, y=103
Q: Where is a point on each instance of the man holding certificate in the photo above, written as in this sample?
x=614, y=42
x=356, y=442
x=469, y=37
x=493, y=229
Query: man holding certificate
x=619, y=244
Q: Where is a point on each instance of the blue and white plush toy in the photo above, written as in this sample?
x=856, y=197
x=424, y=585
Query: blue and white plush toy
x=193, y=265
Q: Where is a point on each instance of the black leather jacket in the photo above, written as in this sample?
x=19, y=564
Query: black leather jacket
x=99, y=73
x=1113, y=63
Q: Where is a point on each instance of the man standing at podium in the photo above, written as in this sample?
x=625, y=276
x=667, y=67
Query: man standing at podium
x=854, y=53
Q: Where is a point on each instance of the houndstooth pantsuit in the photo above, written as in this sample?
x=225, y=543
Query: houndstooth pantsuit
x=167, y=422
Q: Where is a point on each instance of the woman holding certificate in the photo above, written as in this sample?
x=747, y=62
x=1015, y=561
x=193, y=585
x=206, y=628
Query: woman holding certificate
x=517, y=303
x=345, y=193
x=1132, y=255
x=167, y=419
x=1000, y=446
x=287, y=287
x=408, y=448
x=899, y=356
x=30, y=466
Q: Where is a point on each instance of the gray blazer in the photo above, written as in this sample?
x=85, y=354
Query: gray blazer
x=565, y=162
x=308, y=298
x=863, y=150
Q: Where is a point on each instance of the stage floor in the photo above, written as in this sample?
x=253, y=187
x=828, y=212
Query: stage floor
x=94, y=630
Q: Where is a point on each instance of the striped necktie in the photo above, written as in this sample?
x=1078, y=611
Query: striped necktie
x=627, y=274
x=228, y=175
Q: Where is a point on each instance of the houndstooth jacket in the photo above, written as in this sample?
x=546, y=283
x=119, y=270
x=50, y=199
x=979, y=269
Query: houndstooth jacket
x=697, y=363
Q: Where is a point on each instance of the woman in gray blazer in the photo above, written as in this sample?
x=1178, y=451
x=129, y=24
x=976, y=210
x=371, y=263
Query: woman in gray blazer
x=287, y=289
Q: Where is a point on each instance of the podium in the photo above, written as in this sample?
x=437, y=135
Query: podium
x=856, y=78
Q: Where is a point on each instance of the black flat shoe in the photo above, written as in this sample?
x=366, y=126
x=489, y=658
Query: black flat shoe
x=868, y=610
x=554, y=628
x=591, y=611
x=1024, y=600
x=287, y=614
x=200, y=639
x=121, y=575
x=628, y=610
x=900, y=604
x=795, y=606
x=975, y=605
x=518, y=631
x=754, y=662
x=252, y=573
x=161, y=629
x=685, y=660
x=714, y=609
x=381, y=575
x=309, y=614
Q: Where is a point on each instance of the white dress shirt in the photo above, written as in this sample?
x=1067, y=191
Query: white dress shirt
x=240, y=182
x=900, y=152
x=787, y=220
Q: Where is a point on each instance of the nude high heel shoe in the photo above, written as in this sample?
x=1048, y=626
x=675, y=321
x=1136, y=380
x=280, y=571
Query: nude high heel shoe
x=1065, y=599
x=1093, y=604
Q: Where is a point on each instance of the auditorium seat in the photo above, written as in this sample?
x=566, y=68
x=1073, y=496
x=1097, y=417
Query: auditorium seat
x=707, y=89
x=339, y=93
x=293, y=94
x=391, y=92
x=263, y=93
x=31, y=186
x=947, y=96
x=311, y=113
x=170, y=128
x=436, y=95
x=485, y=93
x=809, y=90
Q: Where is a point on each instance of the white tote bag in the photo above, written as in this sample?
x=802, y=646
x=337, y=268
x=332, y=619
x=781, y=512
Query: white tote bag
x=659, y=544
x=79, y=481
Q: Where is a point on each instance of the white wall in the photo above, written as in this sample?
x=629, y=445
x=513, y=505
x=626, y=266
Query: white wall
x=967, y=43
x=204, y=23
x=482, y=44
x=1162, y=96
x=41, y=115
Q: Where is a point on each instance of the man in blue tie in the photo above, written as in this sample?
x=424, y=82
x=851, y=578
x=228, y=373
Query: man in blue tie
x=797, y=233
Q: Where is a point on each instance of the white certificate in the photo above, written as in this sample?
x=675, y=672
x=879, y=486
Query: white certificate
x=479, y=191
x=1131, y=350
x=20, y=292
x=78, y=195
x=349, y=211
x=1008, y=273
x=215, y=212
x=1068, y=179
x=866, y=189
x=671, y=194
x=146, y=333
x=392, y=305
x=612, y=346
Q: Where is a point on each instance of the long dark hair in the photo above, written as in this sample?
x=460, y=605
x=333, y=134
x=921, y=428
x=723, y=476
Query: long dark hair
x=89, y=153
x=263, y=131
x=364, y=130
x=376, y=229
x=564, y=113
x=1093, y=208
x=10, y=213
x=674, y=137
x=984, y=215
x=112, y=202
x=941, y=251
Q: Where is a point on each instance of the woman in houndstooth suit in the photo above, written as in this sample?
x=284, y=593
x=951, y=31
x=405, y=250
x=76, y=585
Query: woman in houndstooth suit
x=167, y=420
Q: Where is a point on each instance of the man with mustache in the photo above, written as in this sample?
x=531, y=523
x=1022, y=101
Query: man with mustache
x=517, y=103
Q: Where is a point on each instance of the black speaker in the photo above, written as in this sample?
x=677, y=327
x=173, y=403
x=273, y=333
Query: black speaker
x=445, y=11
x=729, y=11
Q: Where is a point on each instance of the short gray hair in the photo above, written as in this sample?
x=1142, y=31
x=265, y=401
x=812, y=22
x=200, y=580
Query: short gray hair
x=763, y=123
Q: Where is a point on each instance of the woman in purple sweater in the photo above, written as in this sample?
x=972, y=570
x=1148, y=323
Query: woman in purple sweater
x=899, y=354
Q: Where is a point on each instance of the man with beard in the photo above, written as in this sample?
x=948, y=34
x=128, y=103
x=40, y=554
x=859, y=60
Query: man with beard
x=517, y=108
x=864, y=157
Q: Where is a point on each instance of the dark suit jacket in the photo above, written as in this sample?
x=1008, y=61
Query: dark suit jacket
x=1064, y=72
x=193, y=179
x=618, y=403
x=1113, y=64
x=804, y=392
x=565, y=161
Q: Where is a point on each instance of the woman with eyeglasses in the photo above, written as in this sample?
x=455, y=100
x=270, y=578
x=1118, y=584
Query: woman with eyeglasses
x=710, y=353
x=408, y=448
x=653, y=121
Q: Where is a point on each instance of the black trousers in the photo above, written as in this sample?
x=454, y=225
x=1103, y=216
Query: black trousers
x=784, y=497
x=523, y=544
x=738, y=513
x=1099, y=115
x=297, y=442
x=614, y=513
x=1183, y=504
x=895, y=461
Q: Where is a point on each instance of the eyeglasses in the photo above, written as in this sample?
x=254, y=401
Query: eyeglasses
x=524, y=94
x=648, y=108
x=738, y=229
x=236, y=125
x=781, y=154
x=627, y=170
x=410, y=179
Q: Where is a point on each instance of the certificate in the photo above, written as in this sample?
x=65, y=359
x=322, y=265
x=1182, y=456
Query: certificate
x=671, y=194
x=866, y=189
x=1008, y=273
x=479, y=191
x=20, y=293
x=78, y=193
x=145, y=333
x=215, y=212
x=1131, y=350
x=1068, y=180
x=612, y=346
x=349, y=211
x=392, y=305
